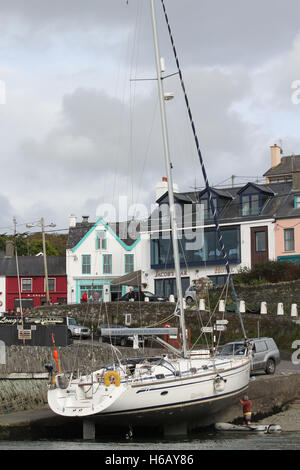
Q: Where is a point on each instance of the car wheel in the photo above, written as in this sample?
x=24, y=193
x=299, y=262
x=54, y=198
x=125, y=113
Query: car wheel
x=69, y=334
x=270, y=367
x=189, y=300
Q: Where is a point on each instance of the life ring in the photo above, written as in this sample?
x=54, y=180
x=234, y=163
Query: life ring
x=112, y=377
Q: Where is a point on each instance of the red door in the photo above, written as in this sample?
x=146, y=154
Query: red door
x=259, y=245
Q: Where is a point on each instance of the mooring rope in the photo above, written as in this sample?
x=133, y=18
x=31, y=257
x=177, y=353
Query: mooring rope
x=212, y=205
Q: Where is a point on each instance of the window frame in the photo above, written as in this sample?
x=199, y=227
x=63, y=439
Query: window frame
x=86, y=271
x=289, y=239
x=101, y=243
x=131, y=256
x=50, y=279
x=297, y=201
x=107, y=267
x=26, y=279
x=250, y=202
x=265, y=241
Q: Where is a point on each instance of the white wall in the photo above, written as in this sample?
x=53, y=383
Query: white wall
x=141, y=252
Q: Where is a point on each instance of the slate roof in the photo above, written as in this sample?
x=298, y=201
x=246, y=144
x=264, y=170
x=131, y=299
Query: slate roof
x=279, y=203
x=33, y=266
x=121, y=229
x=286, y=166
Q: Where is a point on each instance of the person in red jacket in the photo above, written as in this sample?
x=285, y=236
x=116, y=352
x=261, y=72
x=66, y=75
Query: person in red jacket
x=247, y=409
x=84, y=297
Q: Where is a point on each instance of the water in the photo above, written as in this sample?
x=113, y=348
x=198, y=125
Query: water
x=211, y=441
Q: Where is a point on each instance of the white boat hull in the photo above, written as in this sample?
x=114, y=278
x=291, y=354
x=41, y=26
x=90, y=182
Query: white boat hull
x=144, y=399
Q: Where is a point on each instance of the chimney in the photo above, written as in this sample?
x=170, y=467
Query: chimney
x=9, y=249
x=162, y=188
x=72, y=220
x=296, y=180
x=85, y=219
x=275, y=155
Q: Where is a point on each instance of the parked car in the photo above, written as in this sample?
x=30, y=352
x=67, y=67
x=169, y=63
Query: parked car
x=152, y=297
x=190, y=294
x=265, y=353
x=77, y=331
x=115, y=339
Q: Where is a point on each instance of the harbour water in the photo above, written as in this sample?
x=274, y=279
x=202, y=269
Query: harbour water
x=189, y=446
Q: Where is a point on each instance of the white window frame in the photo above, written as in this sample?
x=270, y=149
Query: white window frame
x=26, y=279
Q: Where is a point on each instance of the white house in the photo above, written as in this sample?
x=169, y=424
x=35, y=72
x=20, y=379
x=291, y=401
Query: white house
x=98, y=253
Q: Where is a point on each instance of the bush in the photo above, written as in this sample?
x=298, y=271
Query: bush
x=271, y=271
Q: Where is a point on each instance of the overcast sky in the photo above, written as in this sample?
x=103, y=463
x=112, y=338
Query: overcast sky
x=77, y=132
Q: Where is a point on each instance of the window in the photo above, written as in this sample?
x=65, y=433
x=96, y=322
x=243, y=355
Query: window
x=26, y=285
x=51, y=284
x=101, y=242
x=260, y=241
x=129, y=264
x=289, y=241
x=210, y=252
x=107, y=264
x=208, y=214
x=260, y=346
x=86, y=264
x=297, y=202
x=250, y=204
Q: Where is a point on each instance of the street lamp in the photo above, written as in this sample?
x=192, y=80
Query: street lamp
x=42, y=224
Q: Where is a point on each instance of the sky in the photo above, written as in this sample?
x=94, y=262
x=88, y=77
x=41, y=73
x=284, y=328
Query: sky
x=80, y=130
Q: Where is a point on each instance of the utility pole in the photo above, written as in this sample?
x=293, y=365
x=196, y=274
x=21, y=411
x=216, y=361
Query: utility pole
x=18, y=277
x=42, y=223
x=45, y=261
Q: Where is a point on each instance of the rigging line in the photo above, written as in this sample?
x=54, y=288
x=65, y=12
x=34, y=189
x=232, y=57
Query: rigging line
x=212, y=205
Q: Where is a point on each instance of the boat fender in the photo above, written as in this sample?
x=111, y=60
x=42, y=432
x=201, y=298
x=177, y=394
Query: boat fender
x=112, y=378
x=273, y=428
x=219, y=383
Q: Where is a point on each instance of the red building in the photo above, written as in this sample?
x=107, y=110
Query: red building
x=32, y=281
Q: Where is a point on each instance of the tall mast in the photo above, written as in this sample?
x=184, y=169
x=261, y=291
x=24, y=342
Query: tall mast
x=170, y=180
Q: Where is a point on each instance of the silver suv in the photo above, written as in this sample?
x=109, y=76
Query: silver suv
x=265, y=354
x=190, y=294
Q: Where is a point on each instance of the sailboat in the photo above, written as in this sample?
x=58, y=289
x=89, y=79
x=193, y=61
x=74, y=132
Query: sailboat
x=183, y=387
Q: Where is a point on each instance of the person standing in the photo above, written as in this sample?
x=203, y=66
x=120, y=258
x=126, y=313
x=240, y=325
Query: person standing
x=84, y=297
x=140, y=295
x=131, y=295
x=247, y=409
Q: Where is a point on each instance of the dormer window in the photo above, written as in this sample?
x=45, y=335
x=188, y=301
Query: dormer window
x=208, y=213
x=250, y=204
x=253, y=198
x=297, y=202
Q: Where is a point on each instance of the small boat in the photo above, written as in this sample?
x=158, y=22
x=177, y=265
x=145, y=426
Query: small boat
x=259, y=428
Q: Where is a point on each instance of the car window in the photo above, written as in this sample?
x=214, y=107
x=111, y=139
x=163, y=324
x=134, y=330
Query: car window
x=227, y=350
x=239, y=349
x=260, y=346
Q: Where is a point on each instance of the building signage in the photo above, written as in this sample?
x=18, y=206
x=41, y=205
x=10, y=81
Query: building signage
x=34, y=320
x=169, y=273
